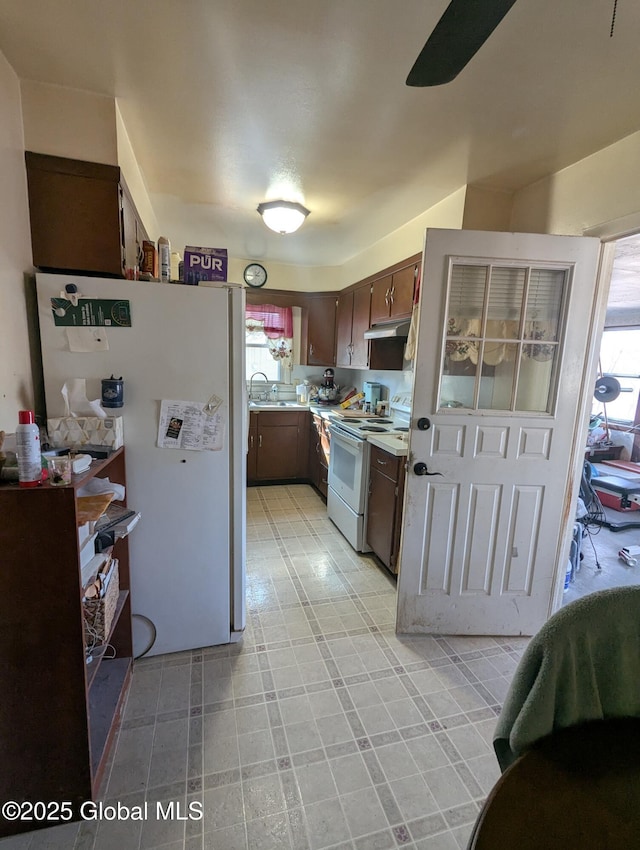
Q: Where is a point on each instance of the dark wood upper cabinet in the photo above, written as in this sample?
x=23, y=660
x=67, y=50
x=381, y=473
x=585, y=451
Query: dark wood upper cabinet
x=318, y=333
x=352, y=349
x=319, y=347
x=392, y=295
x=361, y=313
x=82, y=217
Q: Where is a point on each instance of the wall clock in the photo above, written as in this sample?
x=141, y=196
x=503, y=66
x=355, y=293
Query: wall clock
x=255, y=275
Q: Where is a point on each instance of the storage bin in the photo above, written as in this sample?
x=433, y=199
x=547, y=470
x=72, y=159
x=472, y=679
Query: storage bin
x=99, y=613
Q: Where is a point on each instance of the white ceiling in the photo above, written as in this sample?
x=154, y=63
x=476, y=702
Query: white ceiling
x=232, y=102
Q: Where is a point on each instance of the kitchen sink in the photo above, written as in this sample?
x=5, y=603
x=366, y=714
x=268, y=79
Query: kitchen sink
x=276, y=405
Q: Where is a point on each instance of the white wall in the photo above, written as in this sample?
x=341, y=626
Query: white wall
x=405, y=241
x=67, y=122
x=16, y=387
x=134, y=178
x=282, y=276
x=587, y=196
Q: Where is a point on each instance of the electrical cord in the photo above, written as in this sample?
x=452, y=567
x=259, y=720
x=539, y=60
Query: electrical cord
x=595, y=517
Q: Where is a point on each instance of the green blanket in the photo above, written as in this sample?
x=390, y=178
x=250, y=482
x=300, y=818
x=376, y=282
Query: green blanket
x=584, y=664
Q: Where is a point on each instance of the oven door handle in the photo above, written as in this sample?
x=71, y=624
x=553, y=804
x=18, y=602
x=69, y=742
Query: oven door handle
x=337, y=434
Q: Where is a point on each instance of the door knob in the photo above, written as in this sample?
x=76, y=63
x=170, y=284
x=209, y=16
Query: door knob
x=420, y=468
x=424, y=424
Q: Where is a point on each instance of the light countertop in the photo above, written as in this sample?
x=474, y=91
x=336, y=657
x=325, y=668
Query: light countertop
x=395, y=444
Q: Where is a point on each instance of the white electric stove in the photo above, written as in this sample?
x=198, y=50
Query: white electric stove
x=349, y=466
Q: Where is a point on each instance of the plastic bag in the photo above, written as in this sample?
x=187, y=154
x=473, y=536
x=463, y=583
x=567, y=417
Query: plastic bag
x=102, y=485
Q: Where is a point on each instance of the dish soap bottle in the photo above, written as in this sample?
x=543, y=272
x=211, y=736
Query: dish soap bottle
x=28, y=450
x=274, y=392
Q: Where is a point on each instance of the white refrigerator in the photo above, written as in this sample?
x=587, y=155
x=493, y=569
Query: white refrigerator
x=185, y=343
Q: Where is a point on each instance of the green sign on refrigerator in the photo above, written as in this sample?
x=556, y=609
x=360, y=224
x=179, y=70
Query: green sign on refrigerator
x=91, y=312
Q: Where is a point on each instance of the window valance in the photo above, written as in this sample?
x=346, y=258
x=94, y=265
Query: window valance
x=276, y=322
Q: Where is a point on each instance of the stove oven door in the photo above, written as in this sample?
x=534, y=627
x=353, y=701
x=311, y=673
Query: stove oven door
x=348, y=469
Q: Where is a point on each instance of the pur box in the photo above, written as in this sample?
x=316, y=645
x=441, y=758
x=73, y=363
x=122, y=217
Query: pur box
x=204, y=264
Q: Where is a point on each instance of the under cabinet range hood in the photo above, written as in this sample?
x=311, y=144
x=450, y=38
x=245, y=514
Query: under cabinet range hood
x=389, y=330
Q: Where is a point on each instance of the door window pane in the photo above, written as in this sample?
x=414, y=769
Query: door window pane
x=536, y=380
x=506, y=291
x=503, y=330
x=497, y=381
x=544, y=304
x=466, y=300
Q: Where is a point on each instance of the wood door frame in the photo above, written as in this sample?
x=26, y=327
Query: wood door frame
x=609, y=233
x=598, y=312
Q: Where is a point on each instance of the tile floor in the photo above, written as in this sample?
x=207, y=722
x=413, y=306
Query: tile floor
x=321, y=729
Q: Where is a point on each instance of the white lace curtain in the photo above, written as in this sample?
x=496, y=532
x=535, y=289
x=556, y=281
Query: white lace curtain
x=501, y=339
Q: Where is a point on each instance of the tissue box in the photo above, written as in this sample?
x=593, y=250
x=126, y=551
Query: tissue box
x=204, y=264
x=76, y=432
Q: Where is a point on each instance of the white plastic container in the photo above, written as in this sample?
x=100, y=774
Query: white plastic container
x=28, y=450
x=164, y=259
x=175, y=265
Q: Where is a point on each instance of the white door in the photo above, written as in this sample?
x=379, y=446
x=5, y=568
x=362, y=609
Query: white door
x=499, y=371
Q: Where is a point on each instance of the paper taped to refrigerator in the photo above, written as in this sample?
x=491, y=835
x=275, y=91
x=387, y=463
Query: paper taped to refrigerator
x=188, y=425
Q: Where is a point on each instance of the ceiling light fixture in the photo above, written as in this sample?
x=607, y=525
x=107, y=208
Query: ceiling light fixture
x=283, y=216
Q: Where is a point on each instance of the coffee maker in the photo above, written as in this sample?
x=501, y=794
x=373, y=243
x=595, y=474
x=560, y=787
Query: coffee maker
x=372, y=393
x=327, y=390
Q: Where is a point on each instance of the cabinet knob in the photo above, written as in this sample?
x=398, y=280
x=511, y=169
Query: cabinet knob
x=310, y=349
x=260, y=441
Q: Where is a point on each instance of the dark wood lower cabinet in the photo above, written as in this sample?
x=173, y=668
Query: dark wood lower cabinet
x=278, y=446
x=384, y=506
x=318, y=465
x=252, y=448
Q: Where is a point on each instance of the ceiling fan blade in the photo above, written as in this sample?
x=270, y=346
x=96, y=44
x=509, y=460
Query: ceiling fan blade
x=459, y=34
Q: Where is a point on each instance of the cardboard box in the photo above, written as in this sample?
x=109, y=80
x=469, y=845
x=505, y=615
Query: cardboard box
x=204, y=264
x=76, y=432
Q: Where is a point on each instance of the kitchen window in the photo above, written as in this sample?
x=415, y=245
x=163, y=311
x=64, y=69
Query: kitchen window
x=259, y=359
x=269, y=341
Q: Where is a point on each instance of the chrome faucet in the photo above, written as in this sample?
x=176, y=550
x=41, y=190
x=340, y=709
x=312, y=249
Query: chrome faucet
x=266, y=380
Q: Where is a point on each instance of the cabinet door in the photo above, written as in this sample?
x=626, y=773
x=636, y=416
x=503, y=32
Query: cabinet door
x=252, y=449
x=313, y=465
x=321, y=331
x=74, y=211
x=381, y=515
x=401, y=294
x=344, y=318
x=323, y=479
x=360, y=323
x=381, y=299
x=277, y=452
x=133, y=231
x=282, y=445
